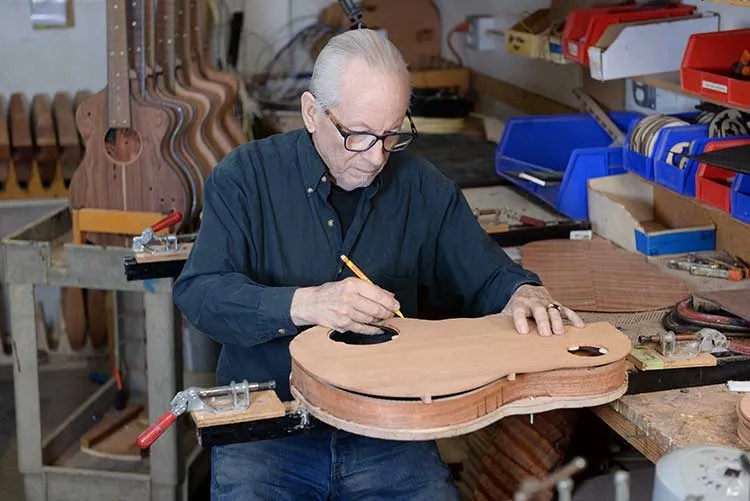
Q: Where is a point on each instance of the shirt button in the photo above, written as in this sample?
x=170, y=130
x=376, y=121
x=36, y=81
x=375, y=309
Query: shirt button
x=282, y=332
x=324, y=179
x=310, y=190
x=330, y=222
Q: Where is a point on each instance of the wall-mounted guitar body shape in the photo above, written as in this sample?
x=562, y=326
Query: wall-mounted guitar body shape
x=435, y=379
x=123, y=167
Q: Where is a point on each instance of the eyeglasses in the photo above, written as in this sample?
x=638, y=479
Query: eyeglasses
x=363, y=141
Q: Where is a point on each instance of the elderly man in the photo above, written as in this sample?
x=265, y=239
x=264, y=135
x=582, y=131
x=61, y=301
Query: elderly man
x=279, y=212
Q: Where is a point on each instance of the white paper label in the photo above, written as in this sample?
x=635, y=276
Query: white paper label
x=714, y=86
x=581, y=235
x=573, y=48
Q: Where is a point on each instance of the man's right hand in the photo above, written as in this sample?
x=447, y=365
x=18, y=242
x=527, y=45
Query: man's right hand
x=348, y=305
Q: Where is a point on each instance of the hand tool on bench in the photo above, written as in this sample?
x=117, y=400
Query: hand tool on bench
x=670, y=344
x=194, y=399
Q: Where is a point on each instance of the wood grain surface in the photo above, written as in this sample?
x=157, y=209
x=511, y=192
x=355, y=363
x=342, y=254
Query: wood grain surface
x=435, y=358
x=596, y=275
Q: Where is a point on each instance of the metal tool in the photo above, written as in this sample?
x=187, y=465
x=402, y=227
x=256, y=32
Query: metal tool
x=560, y=478
x=670, y=344
x=148, y=240
x=719, y=265
x=194, y=399
x=353, y=11
x=592, y=107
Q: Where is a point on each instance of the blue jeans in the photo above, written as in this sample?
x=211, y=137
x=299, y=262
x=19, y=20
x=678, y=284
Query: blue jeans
x=330, y=465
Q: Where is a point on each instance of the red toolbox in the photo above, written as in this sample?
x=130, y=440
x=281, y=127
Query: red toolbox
x=713, y=185
x=584, y=27
x=706, y=68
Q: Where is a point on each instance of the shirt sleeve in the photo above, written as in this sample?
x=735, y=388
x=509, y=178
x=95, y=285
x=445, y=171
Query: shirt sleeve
x=470, y=267
x=215, y=290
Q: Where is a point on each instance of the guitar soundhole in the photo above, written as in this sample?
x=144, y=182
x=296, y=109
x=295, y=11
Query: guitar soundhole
x=122, y=145
x=587, y=351
x=349, y=337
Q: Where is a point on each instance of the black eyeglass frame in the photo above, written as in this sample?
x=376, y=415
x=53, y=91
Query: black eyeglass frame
x=346, y=133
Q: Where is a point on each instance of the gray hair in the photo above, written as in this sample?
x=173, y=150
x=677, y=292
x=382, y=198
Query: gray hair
x=374, y=49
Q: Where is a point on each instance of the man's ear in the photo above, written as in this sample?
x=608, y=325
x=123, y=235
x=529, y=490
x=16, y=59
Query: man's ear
x=309, y=110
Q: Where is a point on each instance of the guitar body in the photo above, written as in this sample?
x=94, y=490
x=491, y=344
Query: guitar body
x=231, y=85
x=202, y=105
x=128, y=173
x=178, y=158
x=192, y=140
x=445, y=378
x=217, y=97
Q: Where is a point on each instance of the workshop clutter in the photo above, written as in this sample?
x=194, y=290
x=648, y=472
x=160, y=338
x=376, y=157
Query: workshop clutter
x=40, y=148
x=537, y=36
x=664, y=148
x=613, y=41
x=553, y=156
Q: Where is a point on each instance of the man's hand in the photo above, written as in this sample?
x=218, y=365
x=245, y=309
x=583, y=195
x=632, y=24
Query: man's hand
x=535, y=301
x=348, y=305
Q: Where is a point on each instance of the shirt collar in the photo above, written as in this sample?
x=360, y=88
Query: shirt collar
x=314, y=169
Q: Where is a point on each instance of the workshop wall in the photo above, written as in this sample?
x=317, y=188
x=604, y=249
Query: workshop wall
x=74, y=58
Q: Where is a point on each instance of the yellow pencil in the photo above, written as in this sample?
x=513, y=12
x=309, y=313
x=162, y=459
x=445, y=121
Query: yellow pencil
x=361, y=275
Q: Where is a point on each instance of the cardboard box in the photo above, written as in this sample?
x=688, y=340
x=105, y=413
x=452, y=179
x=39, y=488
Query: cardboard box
x=528, y=37
x=645, y=48
x=622, y=209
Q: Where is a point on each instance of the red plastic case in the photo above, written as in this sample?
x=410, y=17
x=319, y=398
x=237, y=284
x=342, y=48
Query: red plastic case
x=706, y=68
x=713, y=185
x=584, y=27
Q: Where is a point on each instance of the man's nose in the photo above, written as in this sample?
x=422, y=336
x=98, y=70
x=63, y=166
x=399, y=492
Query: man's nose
x=376, y=154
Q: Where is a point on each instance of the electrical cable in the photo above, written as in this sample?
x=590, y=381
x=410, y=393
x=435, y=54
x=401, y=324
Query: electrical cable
x=459, y=28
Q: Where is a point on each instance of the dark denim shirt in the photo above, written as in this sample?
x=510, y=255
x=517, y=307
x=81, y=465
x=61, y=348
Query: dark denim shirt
x=268, y=229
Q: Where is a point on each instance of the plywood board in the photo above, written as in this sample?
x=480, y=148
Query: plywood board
x=263, y=405
x=436, y=358
x=595, y=275
x=647, y=359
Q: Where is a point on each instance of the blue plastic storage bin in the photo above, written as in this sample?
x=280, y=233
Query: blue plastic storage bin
x=644, y=165
x=670, y=176
x=741, y=197
x=575, y=145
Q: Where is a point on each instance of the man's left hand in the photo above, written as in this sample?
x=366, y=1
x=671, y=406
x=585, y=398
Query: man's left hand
x=533, y=301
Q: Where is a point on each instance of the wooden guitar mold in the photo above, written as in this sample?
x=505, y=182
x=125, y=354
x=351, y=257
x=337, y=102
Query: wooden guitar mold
x=432, y=379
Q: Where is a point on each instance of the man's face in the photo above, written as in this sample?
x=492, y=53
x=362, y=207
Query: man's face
x=370, y=101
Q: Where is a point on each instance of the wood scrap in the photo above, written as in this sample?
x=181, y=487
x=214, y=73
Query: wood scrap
x=596, y=275
x=115, y=436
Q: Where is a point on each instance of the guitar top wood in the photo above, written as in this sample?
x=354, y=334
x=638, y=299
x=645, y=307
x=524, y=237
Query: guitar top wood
x=437, y=358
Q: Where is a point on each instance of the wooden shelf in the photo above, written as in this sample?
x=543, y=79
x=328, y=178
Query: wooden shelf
x=671, y=82
x=738, y=3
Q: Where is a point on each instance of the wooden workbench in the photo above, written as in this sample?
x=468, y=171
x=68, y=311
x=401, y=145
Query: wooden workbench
x=659, y=422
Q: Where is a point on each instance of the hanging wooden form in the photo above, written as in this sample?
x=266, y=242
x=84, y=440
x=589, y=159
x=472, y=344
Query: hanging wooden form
x=431, y=379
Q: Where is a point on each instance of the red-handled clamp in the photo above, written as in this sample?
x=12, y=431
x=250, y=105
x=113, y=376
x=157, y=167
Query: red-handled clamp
x=185, y=400
x=195, y=399
x=140, y=243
